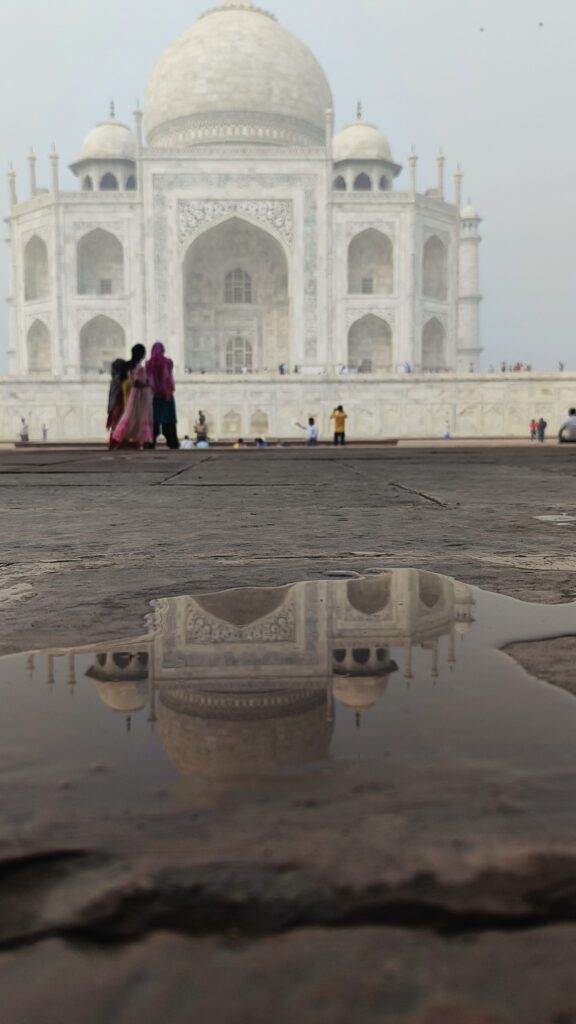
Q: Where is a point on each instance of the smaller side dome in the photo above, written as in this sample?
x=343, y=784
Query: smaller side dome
x=109, y=140
x=361, y=141
x=470, y=213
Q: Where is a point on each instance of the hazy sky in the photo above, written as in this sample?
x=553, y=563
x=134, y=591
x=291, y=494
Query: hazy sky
x=502, y=101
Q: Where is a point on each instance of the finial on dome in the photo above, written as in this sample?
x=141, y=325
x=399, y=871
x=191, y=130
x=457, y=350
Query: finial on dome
x=112, y=110
x=359, y=111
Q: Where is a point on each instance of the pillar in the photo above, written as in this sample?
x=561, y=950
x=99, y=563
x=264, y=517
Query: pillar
x=469, y=346
x=32, y=173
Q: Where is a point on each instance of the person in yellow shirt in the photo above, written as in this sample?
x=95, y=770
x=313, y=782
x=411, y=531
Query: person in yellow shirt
x=339, y=418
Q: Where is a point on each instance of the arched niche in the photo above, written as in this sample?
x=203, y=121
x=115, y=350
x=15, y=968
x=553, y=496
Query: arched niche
x=370, y=345
x=384, y=184
x=87, y=184
x=39, y=348
x=108, y=183
x=363, y=183
x=100, y=264
x=340, y=184
x=235, y=285
x=370, y=596
x=371, y=264
x=232, y=424
x=131, y=183
x=259, y=424
x=102, y=340
x=433, y=345
x=36, y=270
x=435, y=269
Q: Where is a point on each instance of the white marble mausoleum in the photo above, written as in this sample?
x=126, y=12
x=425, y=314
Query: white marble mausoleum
x=278, y=261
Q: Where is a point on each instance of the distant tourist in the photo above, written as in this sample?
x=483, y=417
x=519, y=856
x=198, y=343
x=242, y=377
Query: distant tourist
x=187, y=443
x=339, y=418
x=260, y=442
x=24, y=431
x=201, y=427
x=542, y=429
x=44, y=433
x=567, y=433
x=160, y=375
x=135, y=428
x=533, y=429
x=239, y=443
x=312, y=432
x=120, y=388
x=561, y=367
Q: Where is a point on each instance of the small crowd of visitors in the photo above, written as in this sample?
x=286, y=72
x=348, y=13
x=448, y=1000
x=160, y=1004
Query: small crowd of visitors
x=538, y=429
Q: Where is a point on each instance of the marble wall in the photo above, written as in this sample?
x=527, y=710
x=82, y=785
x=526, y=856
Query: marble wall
x=473, y=405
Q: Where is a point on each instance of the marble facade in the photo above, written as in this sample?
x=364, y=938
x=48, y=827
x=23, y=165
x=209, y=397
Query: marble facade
x=233, y=224
x=473, y=405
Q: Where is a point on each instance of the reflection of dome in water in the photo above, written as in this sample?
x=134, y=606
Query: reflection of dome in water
x=358, y=662
x=229, y=735
x=119, y=666
x=360, y=693
x=369, y=596
x=128, y=698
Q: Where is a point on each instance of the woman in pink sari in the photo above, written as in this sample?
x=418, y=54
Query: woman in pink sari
x=135, y=427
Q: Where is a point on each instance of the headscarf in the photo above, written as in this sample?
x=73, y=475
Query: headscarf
x=159, y=372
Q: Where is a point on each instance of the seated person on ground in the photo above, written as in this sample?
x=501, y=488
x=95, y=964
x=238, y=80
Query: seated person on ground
x=567, y=433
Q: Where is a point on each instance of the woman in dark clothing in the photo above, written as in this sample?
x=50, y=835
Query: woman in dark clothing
x=120, y=387
x=160, y=372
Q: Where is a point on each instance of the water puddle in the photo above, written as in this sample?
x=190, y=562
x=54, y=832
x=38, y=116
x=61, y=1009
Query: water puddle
x=229, y=689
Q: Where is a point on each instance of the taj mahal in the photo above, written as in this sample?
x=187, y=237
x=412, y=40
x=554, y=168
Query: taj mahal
x=277, y=259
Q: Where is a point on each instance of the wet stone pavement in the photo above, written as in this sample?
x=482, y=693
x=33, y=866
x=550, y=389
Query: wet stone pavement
x=281, y=768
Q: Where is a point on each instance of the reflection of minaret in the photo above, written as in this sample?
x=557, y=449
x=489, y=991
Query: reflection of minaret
x=408, y=665
x=51, y=671
x=71, y=672
x=30, y=665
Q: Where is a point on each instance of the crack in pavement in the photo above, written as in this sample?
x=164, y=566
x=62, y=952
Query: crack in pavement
x=422, y=494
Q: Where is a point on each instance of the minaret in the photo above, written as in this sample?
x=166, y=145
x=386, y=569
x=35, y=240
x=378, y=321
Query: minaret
x=12, y=186
x=413, y=162
x=469, y=347
x=32, y=173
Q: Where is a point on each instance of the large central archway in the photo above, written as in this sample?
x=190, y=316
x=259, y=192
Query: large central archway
x=236, y=300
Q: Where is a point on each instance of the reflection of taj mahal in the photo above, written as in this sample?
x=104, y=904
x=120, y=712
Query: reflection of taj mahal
x=249, y=677
x=235, y=225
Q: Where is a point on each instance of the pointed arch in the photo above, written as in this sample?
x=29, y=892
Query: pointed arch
x=363, y=183
x=39, y=348
x=100, y=264
x=236, y=286
x=36, y=270
x=109, y=183
x=370, y=348
x=371, y=264
x=340, y=184
x=87, y=184
x=102, y=340
x=433, y=345
x=435, y=269
x=259, y=424
x=232, y=424
x=131, y=183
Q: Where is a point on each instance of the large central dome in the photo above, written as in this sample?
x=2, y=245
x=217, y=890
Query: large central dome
x=236, y=76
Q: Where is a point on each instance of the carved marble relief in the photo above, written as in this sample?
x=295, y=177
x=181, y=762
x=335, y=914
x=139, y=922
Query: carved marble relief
x=194, y=215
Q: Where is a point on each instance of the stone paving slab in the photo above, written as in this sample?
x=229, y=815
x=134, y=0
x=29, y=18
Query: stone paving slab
x=376, y=976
